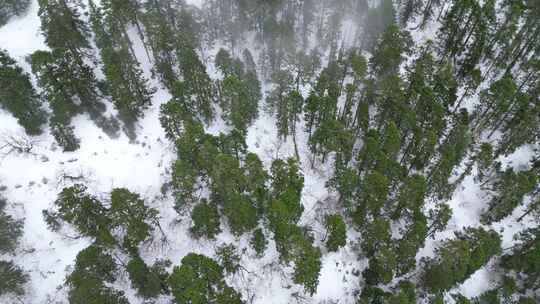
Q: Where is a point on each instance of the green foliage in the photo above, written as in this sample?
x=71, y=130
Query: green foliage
x=18, y=96
x=13, y=279
x=93, y=262
x=238, y=100
x=287, y=185
x=284, y=102
x=524, y=259
x=129, y=212
x=509, y=189
x=10, y=8
x=307, y=267
x=375, y=189
x=258, y=242
x=149, y=281
x=452, y=151
x=84, y=211
x=10, y=230
x=411, y=195
x=337, y=232
x=173, y=115
x=127, y=215
x=391, y=49
x=93, y=267
x=206, y=222
x=125, y=81
x=381, y=266
x=256, y=178
x=199, y=280
x=457, y=259
x=69, y=83
x=228, y=258
x=228, y=181
x=439, y=218
x=62, y=26
x=413, y=239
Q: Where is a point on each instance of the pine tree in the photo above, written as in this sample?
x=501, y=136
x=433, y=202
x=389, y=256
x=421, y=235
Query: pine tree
x=390, y=51
x=129, y=212
x=451, y=151
x=94, y=267
x=228, y=258
x=10, y=230
x=439, y=218
x=508, y=190
x=68, y=80
x=258, y=242
x=337, y=232
x=18, y=96
x=307, y=267
x=238, y=104
x=524, y=259
x=10, y=8
x=381, y=266
x=84, y=211
x=13, y=279
x=282, y=101
x=125, y=81
x=228, y=182
x=457, y=259
x=149, y=281
x=199, y=279
x=374, y=187
x=413, y=239
x=206, y=222
x=287, y=185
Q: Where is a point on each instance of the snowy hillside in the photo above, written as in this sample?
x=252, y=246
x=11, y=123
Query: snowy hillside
x=397, y=145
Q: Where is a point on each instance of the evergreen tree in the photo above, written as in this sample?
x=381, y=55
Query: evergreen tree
x=307, y=266
x=205, y=218
x=457, y=259
x=228, y=182
x=439, y=218
x=451, y=151
x=287, y=185
x=238, y=102
x=258, y=242
x=93, y=267
x=284, y=102
x=228, y=258
x=125, y=81
x=129, y=212
x=524, y=259
x=508, y=188
x=13, y=279
x=10, y=8
x=390, y=51
x=84, y=211
x=381, y=266
x=18, y=96
x=413, y=239
x=10, y=230
x=198, y=280
x=69, y=83
x=337, y=231
x=149, y=281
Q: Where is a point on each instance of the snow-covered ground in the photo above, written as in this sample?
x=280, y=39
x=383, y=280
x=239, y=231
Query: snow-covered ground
x=32, y=183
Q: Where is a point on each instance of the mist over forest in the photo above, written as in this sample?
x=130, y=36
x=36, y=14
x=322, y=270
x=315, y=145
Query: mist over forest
x=269, y=151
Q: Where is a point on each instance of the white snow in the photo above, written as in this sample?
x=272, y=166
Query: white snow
x=33, y=182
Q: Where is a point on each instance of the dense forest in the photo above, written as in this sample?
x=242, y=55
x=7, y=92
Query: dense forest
x=394, y=142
